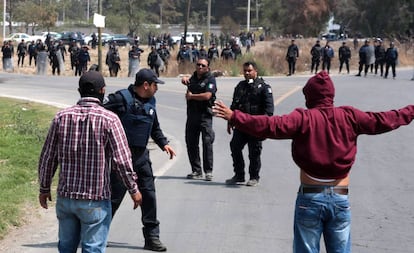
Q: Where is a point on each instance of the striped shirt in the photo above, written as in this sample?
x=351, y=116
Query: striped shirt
x=86, y=140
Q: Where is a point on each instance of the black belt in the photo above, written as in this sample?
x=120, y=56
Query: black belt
x=343, y=190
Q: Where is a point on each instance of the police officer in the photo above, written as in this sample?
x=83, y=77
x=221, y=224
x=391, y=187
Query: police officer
x=227, y=53
x=74, y=53
x=54, y=60
x=255, y=97
x=62, y=48
x=154, y=60
x=213, y=52
x=316, y=56
x=363, y=59
x=291, y=57
x=134, y=58
x=203, y=52
x=379, y=57
x=114, y=62
x=83, y=59
x=135, y=107
x=165, y=55
x=391, y=59
x=327, y=55
x=32, y=53
x=344, y=53
x=200, y=95
x=21, y=53
x=7, y=51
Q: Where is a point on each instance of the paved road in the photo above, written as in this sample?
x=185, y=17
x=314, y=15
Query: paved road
x=199, y=216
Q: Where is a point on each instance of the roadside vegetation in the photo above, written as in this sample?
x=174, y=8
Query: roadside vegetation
x=308, y=18
x=23, y=127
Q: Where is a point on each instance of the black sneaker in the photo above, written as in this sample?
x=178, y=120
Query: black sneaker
x=195, y=175
x=235, y=180
x=154, y=244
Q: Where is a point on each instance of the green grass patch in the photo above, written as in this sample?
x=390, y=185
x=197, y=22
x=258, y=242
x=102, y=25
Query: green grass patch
x=23, y=128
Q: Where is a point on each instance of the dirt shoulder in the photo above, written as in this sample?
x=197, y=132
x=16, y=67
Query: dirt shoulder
x=40, y=226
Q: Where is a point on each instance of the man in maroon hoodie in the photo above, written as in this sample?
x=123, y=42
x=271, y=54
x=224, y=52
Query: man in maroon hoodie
x=324, y=146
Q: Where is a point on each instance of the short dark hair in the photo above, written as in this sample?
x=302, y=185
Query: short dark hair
x=248, y=63
x=204, y=58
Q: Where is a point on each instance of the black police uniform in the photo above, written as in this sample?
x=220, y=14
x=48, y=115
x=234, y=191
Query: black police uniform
x=344, y=53
x=200, y=120
x=316, y=57
x=253, y=97
x=140, y=121
x=291, y=55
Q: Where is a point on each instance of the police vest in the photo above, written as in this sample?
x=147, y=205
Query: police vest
x=137, y=119
x=248, y=99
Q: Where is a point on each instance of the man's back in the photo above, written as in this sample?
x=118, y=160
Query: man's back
x=81, y=134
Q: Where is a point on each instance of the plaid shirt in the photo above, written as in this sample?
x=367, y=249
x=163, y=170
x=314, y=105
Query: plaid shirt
x=83, y=139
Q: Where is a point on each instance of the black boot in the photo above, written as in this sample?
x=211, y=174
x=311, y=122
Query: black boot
x=154, y=244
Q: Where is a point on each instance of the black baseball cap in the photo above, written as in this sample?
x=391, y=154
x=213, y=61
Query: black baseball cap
x=146, y=75
x=91, y=82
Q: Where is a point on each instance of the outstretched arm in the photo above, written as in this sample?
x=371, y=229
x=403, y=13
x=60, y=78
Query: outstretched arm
x=222, y=111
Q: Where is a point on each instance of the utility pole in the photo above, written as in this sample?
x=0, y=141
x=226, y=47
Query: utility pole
x=87, y=11
x=4, y=19
x=100, y=38
x=207, y=40
x=161, y=15
x=187, y=17
x=248, y=15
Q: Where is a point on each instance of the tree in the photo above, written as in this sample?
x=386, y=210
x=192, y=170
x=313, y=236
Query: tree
x=228, y=25
x=132, y=13
x=382, y=18
x=47, y=15
x=33, y=15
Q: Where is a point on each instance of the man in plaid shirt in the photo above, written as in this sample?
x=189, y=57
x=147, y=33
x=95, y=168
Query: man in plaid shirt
x=83, y=141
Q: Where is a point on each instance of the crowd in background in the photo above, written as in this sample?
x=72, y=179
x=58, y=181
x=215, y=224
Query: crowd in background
x=374, y=55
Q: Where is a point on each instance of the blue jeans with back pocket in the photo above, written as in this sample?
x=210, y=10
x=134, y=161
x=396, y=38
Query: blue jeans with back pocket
x=85, y=222
x=326, y=213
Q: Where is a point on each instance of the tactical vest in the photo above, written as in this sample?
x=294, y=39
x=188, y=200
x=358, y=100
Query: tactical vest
x=137, y=119
x=247, y=97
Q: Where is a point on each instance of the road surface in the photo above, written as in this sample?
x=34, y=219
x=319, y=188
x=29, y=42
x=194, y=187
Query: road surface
x=199, y=216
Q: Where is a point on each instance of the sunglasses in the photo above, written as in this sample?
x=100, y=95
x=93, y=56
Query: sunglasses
x=201, y=65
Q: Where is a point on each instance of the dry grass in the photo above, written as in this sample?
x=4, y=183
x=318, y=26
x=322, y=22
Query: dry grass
x=269, y=55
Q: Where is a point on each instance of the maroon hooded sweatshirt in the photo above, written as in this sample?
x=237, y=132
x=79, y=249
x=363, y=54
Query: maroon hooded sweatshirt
x=324, y=137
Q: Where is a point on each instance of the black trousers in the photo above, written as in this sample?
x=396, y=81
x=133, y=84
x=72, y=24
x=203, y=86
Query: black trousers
x=315, y=64
x=363, y=66
x=237, y=144
x=341, y=63
x=32, y=56
x=142, y=166
x=380, y=65
x=292, y=65
x=387, y=68
x=326, y=64
x=20, y=60
x=200, y=123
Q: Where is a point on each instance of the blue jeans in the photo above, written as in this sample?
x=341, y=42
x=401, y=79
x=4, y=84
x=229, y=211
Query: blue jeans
x=85, y=222
x=326, y=213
